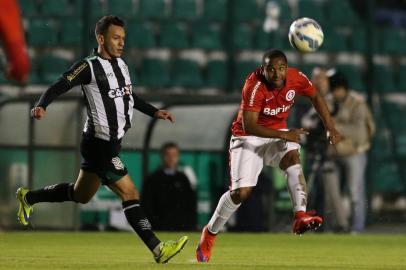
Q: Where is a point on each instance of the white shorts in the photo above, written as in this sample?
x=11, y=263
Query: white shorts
x=249, y=154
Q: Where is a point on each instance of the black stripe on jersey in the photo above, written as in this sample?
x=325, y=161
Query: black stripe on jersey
x=126, y=98
x=109, y=104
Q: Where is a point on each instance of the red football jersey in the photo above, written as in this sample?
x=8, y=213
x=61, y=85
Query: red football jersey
x=273, y=105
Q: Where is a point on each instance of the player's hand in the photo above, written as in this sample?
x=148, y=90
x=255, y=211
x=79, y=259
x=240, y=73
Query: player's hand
x=165, y=115
x=334, y=136
x=38, y=113
x=293, y=135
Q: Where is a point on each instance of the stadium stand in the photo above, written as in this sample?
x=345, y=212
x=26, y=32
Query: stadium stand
x=357, y=40
x=186, y=73
x=51, y=8
x=347, y=18
x=312, y=9
x=184, y=10
x=207, y=37
x=150, y=69
x=401, y=82
x=384, y=79
x=29, y=8
x=173, y=36
x=214, y=11
x=334, y=41
x=246, y=10
x=42, y=33
x=242, y=37
x=52, y=67
x=75, y=30
x=391, y=41
x=152, y=9
x=125, y=9
x=144, y=30
x=216, y=74
x=242, y=69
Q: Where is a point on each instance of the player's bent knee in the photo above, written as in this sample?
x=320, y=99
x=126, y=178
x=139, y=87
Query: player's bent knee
x=241, y=194
x=291, y=158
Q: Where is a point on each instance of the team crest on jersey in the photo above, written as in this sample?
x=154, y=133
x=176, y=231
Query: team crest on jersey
x=117, y=163
x=290, y=95
x=121, y=91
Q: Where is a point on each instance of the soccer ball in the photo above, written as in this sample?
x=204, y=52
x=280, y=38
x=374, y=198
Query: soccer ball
x=305, y=35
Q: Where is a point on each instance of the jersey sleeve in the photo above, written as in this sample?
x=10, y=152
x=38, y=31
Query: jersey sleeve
x=143, y=106
x=252, y=96
x=78, y=74
x=306, y=86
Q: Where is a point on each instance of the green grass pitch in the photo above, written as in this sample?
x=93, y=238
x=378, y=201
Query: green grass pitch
x=54, y=250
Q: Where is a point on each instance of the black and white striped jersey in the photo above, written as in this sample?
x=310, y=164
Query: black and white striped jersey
x=108, y=92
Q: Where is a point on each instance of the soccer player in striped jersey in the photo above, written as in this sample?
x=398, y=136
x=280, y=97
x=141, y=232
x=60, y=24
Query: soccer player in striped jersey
x=110, y=99
x=260, y=137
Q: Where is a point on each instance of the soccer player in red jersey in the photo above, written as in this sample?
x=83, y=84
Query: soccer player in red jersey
x=260, y=137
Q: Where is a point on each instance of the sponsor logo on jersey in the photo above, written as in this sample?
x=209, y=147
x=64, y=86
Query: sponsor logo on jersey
x=121, y=91
x=76, y=72
x=254, y=92
x=290, y=95
x=269, y=111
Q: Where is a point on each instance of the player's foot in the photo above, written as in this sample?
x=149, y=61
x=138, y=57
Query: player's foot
x=168, y=249
x=25, y=210
x=306, y=221
x=203, y=251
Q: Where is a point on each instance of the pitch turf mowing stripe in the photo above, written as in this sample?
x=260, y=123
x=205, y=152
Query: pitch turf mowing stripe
x=41, y=250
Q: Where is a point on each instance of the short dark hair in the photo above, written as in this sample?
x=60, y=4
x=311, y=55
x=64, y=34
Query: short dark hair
x=271, y=54
x=104, y=23
x=168, y=145
x=337, y=79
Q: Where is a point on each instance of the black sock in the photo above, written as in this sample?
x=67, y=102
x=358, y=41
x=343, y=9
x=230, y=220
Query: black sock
x=55, y=193
x=137, y=219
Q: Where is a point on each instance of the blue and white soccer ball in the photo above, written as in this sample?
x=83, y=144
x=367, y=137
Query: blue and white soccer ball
x=305, y=35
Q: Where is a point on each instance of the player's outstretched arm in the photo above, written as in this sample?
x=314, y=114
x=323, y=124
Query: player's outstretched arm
x=150, y=110
x=78, y=74
x=320, y=105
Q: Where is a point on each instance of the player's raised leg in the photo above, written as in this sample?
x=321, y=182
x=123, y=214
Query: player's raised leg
x=163, y=251
x=81, y=191
x=304, y=221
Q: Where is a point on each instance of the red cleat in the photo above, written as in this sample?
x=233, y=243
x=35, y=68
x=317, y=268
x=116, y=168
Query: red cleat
x=306, y=221
x=203, y=251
